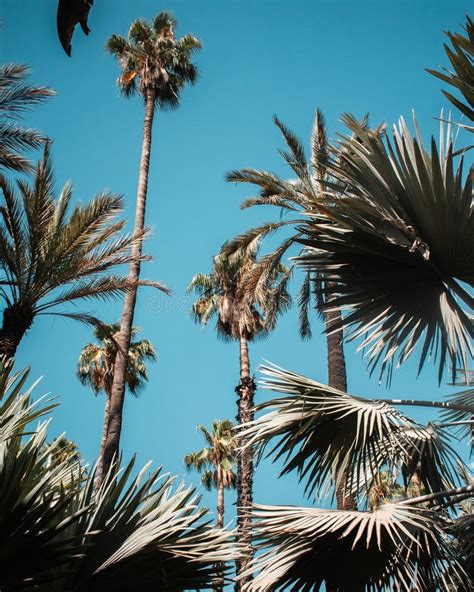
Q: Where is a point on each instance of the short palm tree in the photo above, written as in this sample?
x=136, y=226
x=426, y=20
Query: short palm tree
x=60, y=532
x=216, y=461
x=96, y=363
x=156, y=66
x=16, y=97
x=241, y=316
x=50, y=256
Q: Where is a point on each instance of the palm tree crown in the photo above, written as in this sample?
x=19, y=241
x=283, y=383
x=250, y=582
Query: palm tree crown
x=153, y=61
x=240, y=312
x=96, y=362
x=217, y=460
x=16, y=97
x=49, y=257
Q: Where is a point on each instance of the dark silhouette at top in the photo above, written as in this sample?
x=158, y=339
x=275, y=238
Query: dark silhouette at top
x=71, y=13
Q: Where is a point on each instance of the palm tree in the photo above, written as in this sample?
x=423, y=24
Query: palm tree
x=50, y=256
x=461, y=77
x=157, y=67
x=96, y=363
x=241, y=316
x=216, y=463
x=395, y=243
x=302, y=198
x=16, y=97
x=60, y=532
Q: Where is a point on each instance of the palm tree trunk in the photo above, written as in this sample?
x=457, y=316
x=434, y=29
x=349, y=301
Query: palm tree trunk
x=219, y=585
x=220, y=506
x=17, y=320
x=111, y=449
x=245, y=391
x=100, y=467
x=337, y=378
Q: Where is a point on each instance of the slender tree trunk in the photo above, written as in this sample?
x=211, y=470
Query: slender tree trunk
x=219, y=585
x=245, y=391
x=100, y=467
x=220, y=506
x=17, y=320
x=112, y=445
x=337, y=379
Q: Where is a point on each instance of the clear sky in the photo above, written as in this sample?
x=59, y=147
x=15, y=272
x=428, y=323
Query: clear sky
x=260, y=57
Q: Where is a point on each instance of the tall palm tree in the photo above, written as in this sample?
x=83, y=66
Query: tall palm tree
x=301, y=197
x=50, y=256
x=60, y=532
x=241, y=316
x=156, y=66
x=216, y=463
x=96, y=363
x=17, y=97
x=396, y=243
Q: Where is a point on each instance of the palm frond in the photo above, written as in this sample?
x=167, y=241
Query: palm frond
x=395, y=547
x=396, y=248
x=331, y=438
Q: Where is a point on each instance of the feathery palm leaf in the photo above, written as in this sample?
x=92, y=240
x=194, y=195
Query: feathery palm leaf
x=50, y=257
x=16, y=97
x=461, y=77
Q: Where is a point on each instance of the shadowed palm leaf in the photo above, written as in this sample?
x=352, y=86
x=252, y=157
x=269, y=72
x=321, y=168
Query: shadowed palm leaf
x=397, y=547
x=398, y=247
x=58, y=532
x=325, y=434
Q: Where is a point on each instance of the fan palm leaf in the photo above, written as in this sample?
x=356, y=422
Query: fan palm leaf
x=396, y=547
x=397, y=248
x=326, y=435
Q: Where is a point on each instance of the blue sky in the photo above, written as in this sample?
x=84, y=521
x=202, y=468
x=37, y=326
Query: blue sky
x=260, y=58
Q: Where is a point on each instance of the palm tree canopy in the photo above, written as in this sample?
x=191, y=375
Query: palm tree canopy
x=388, y=228
x=461, y=77
x=50, y=256
x=152, y=60
x=217, y=460
x=16, y=97
x=96, y=361
x=225, y=294
x=59, y=532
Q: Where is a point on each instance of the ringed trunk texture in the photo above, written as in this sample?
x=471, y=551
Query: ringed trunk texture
x=100, y=468
x=17, y=320
x=112, y=445
x=219, y=585
x=245, y=391
x=337, y=379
